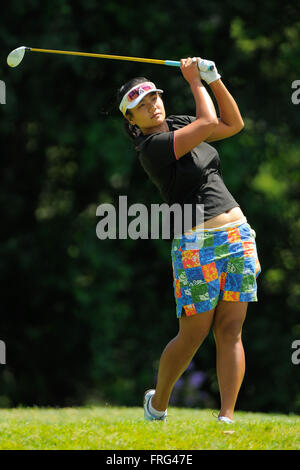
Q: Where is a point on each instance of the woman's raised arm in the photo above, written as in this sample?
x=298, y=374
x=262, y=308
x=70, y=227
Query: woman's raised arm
x=188, y=137
x=230, y=121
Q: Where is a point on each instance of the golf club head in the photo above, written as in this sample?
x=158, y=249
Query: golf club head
x=15, y=57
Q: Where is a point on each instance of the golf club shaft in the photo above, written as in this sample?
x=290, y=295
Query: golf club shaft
x=100, y=56
x=173, y=63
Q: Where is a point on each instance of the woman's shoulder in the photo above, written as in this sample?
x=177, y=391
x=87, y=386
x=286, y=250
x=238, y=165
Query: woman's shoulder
x=141, y=140
x=180, y=120
x=174, y=122
x=153, y=142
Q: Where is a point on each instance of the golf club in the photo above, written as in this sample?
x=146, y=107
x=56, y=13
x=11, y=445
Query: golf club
x=15, y=57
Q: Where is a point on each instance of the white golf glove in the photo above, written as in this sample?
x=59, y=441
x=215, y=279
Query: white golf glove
x=208, y=75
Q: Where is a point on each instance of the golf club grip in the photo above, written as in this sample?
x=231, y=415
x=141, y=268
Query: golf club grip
x=203, y=64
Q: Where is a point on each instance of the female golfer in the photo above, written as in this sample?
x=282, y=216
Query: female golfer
x=215, y=264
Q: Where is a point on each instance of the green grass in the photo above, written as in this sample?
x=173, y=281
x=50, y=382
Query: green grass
x=125, y=428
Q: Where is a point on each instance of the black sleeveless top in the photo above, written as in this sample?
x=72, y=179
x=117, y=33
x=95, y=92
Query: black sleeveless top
x=194, y=178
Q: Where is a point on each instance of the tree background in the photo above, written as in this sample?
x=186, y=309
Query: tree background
x=85, y=320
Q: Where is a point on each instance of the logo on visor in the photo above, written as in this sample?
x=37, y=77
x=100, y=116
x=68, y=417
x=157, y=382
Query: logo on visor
x=137, y=92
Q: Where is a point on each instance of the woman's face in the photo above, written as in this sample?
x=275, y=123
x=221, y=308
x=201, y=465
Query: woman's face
x=149, y=113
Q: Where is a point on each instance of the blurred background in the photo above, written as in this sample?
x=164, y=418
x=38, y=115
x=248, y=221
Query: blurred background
x=85, y=320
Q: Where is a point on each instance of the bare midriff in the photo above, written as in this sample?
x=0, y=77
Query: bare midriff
x=232, y=215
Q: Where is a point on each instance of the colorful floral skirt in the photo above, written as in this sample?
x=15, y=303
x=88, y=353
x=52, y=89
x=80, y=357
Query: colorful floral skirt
x=214, y=264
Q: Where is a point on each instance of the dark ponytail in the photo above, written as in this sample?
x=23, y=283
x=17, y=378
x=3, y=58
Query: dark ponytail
x=132, y=131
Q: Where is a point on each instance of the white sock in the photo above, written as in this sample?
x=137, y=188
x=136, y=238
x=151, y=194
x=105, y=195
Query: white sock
x=153, y=411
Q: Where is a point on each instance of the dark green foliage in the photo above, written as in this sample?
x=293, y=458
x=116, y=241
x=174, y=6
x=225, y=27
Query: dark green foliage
x=85, y=320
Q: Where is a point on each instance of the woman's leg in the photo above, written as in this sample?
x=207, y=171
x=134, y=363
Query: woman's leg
x=227, y=328
x=178, y=354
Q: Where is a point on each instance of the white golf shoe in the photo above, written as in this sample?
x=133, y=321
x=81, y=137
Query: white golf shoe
x=224, y=419
x=147, y=413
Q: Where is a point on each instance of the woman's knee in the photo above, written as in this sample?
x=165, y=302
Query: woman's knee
x=230, y=330
x=193, y=340
x=193, y=330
